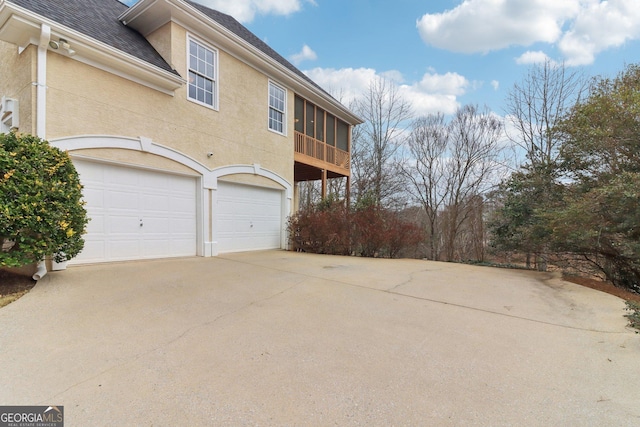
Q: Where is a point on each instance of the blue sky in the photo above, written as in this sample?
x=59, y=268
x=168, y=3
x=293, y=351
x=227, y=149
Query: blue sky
x=441, y=53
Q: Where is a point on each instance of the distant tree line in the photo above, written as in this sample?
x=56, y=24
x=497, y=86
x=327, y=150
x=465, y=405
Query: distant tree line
x=579, y=208
x=424, y=174
x=567, y=196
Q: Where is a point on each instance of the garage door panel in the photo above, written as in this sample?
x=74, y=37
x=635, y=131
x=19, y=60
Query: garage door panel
x=123, y=248
x=182, y=226
x=95, y=194
x=122, y=200
x=226, y=225
x=122, y=224
x=158, y=203
x=136, y=214
x=96, y=225
x=261, y=226
x=92, y=175
x=248, y=218
x=155, y=248
x=164, y=181
x=181, y=205
x=158, y=247
x=94, y=250
x=153, y=226
x=124, y=176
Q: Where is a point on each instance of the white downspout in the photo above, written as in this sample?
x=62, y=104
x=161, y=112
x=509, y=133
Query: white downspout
x=41, y=270
x=41, y=84
x=41, y=108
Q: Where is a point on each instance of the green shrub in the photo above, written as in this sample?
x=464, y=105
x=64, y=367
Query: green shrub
x=41, y=207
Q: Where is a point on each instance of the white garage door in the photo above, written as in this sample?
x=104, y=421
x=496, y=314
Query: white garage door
x=248, y=218
x=136, y=214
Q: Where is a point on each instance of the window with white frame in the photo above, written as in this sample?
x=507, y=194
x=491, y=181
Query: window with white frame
x=202, y=74
x=277, y=108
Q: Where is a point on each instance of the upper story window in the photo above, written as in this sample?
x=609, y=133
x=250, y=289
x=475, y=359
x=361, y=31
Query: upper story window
x=277, y=108
x=203, y=74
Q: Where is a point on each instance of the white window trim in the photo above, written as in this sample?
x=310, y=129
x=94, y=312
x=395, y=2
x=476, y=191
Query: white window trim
x=284, y=119
x=216, y=75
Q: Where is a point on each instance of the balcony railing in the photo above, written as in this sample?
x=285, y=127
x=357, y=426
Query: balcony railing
x=319, y=150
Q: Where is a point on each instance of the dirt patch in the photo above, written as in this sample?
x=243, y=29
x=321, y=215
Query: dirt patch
x=604, y=287
x=13, y=286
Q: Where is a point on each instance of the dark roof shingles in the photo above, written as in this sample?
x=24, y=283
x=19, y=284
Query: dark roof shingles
x=241, y=31
x=99, y=20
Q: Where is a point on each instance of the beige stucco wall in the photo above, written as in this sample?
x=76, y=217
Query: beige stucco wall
x=160, y=39
x=255, y=180
x=17, y=72
x=83, y=100
x=134, y=158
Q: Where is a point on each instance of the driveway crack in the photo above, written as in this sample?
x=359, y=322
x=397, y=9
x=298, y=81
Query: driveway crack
x=435, y=301
x=408, y=281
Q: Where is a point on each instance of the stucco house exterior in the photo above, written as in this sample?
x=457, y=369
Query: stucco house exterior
x=189, y=133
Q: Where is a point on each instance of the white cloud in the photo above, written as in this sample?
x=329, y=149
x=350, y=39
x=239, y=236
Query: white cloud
x=306, y=54
x=485, y=25
x=531, y=57
x=600, y=26
x=495, y=84
x=393, y=75
x=433, y=93
x=580, y=28
x=345, y=84
x=449, y=83
x=245, y=10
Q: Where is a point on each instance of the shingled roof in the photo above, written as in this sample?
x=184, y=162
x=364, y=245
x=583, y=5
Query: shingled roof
x=98, y=19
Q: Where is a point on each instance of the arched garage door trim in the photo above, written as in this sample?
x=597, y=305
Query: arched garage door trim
x=285, y=203
x=142, y=144
x=207, y=197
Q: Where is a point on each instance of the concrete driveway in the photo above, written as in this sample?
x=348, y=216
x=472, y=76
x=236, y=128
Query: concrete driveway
x=281, y=338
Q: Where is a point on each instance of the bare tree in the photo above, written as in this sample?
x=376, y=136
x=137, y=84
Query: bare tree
x=310, y=192
x=536, y=105
x=449, y=166
x=475, y=151
x=470, y=238
x=425, y=171
x=375, y=143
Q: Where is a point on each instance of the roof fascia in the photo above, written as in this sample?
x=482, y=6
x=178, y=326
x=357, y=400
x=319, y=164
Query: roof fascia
x=22, y=27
